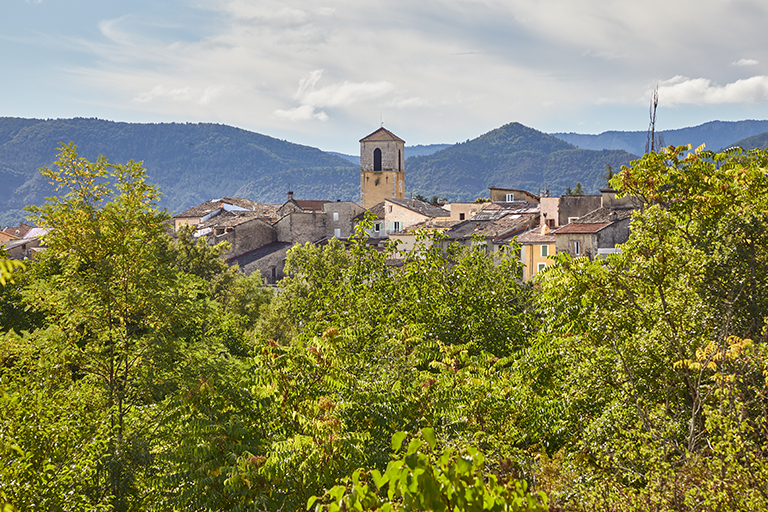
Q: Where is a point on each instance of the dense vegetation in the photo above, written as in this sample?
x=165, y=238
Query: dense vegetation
x=138, y=372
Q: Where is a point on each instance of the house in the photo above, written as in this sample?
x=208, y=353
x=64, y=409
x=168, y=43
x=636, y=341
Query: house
x=493, y=228
x=594, y=234
x=409, y=238
x=537, y=246
x=400, y=214
x=243, y=230
x=29, y=246
x=19, y=231
x=376, y=214
x=5, y=237
x=511, y=195
x=302, y=221
x=205, y=211
x=559, y=211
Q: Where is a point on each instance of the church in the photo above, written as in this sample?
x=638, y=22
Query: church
x=382, y=169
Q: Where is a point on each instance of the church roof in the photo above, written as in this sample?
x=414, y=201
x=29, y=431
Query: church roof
x=381, y=134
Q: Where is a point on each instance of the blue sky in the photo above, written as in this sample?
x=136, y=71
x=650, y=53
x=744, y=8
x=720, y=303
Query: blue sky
x=326, y=74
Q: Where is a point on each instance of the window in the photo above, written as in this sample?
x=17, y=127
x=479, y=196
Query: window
x=390, y=209
x=544, y=251
x=377, y=227
x=394, y=227
x=577, y=247
x=335, y=216
x=377, y=159
x=337, y=232
x=461, y=216
x=510, y=198
x=541, y=267
x=551, y=223
x=571, y=219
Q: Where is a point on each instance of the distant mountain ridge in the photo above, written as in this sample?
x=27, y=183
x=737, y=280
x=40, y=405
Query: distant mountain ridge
x=417, y=150
x=717, y=135
x=513, y=156
x=192, y=162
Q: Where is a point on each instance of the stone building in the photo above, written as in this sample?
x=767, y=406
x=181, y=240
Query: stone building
x=382, y=167
x=595, y=234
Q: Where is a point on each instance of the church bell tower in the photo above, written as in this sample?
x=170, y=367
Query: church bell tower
x=382, y=167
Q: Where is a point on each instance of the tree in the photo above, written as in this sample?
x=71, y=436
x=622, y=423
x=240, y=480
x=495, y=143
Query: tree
x=108, y=285
x=652, y=353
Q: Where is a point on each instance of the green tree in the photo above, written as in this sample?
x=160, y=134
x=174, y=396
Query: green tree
x=124, y=313
x=649, y=353
x=423, y=479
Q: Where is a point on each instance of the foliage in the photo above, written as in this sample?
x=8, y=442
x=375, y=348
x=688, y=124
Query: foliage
x=423, y=479
x=457, y=296
x=107, y=287
x=634, y=345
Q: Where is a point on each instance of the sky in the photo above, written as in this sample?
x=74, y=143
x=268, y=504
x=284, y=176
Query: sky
x=327, y=73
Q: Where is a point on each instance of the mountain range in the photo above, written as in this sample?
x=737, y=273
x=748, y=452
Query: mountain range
x=193, y=162
x=717, y=135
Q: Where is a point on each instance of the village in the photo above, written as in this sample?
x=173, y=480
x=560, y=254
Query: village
x=259, y=235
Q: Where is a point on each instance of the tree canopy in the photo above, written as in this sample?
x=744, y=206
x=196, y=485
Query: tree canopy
x=139, y=372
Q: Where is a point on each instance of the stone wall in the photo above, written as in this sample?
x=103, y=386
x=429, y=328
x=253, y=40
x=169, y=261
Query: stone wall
x=245, y=237
x=575, y=207
x=299, y=227
x=338, y=216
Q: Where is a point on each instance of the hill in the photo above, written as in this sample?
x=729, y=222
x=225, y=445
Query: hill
x=190, y=162
x=756, y=141
x=418, y=150
x=716, y=135
x=513, y=156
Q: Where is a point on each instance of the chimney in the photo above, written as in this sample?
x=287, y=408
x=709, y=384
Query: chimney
x=290, y=195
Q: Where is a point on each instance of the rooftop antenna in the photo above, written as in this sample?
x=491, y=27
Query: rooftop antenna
x=381, y=119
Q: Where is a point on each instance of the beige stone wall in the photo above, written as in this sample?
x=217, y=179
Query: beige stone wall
x=468, y=209
x=394, y=213
x=338, y=216
x=299, y=227
x=246, y=237
x=375, y=187
x=392, y=155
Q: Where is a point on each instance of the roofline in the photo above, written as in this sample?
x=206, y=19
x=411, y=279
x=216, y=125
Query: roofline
x=384, y=129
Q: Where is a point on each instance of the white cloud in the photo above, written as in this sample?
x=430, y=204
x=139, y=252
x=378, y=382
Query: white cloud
x=745, y=62
x=182, y=94
x=343, y=94
x=683, y=90
x=302, y=113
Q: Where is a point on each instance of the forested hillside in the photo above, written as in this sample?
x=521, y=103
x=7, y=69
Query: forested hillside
x=513, y=156
x=191, y=162
x=759, y=141
x=717, y=135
